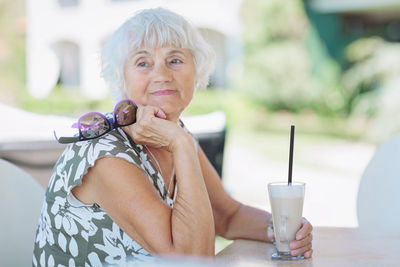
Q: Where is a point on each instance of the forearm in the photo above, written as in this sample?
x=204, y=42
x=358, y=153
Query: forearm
x=248, y=223
x=192, y=219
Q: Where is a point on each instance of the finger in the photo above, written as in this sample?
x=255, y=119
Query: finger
x=151, y=111
x=296, y=244
x=139, y=112
x=160, y=114
x=305, y=229
x=301, y=250
x=145, y=120
x=308, y=254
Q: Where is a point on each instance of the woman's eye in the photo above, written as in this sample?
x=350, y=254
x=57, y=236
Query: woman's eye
x=143, y=64
x=176, y=61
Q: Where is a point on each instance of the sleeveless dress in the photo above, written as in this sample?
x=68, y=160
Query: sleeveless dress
x=71, y=233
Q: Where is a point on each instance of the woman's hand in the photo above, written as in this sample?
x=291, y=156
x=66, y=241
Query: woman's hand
x=303, y=242
x=152, y=129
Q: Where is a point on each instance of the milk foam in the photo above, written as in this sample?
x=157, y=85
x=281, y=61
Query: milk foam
x=286, y=191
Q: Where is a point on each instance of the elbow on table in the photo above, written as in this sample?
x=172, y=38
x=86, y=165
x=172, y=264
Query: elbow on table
x=195, y=250
x=200, y=244
x=188, y=250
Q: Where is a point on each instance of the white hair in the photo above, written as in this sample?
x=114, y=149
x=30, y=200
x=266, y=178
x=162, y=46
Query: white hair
x=155, y=28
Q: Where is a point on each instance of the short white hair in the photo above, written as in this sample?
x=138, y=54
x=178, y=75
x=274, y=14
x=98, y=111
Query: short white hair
x=155, y=28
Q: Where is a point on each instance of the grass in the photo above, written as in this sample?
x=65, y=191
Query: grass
x=235, y=104
x=63, y=101
x=221, y=243
x=268, y=134
x=245, y=116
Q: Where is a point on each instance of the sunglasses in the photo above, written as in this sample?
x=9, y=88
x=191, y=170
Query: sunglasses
x=94, y=124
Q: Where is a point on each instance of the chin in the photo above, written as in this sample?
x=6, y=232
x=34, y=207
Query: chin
x=170, y=106
x=173, y=113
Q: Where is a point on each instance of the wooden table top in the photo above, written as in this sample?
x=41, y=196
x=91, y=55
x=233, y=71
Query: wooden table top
x=332, y=247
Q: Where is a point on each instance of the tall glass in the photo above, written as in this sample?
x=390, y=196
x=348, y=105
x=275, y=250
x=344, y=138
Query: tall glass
x=287, y=208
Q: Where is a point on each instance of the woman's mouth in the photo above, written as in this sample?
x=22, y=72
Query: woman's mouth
x=163, y=92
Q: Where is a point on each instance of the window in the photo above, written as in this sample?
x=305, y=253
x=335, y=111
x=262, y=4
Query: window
x=68, y=3
x=120, y=0
x=362, y=25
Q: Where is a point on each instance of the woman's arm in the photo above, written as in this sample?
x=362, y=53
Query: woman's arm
x=192, y=219
x=234, y=220
x=130, y=199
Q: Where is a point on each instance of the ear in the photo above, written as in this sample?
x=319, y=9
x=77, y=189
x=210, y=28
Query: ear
x=196, y=83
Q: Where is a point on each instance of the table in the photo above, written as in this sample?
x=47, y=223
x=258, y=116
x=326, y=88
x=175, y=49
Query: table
x=332, y=247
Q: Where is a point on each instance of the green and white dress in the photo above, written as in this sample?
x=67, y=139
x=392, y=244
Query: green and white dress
x=71, y=233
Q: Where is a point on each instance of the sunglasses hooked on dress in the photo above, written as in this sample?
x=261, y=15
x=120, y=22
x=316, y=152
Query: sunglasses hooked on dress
x=94, y=124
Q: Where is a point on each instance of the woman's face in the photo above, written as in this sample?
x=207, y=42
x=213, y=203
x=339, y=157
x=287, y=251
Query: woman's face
x=162, y=77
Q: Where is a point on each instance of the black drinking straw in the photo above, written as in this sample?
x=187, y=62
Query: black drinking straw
x=291, y=154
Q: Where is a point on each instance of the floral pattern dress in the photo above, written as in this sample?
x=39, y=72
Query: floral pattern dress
x=71, y=233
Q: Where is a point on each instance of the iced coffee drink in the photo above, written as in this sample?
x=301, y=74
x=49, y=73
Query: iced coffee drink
x=287, y=207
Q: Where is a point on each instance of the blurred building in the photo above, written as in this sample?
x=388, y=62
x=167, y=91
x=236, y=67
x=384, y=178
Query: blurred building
x=339, y=22
x=64, y=38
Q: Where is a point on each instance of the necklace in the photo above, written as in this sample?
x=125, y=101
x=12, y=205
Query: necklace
x=158, y=165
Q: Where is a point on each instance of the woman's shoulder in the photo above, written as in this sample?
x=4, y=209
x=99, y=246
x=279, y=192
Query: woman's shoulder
x=78, y=157
x=114, y=143
x=113, y=140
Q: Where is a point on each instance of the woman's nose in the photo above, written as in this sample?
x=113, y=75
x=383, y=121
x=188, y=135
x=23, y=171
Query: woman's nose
x=162, y=73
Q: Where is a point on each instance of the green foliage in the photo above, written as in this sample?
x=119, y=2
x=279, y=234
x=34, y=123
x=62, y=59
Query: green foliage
x=12, y=50
x=63, y=102
x=272, y=20
x=250, y=119
x=372, y=84
x=285, y=65
x=373, y=63
x=236, y=106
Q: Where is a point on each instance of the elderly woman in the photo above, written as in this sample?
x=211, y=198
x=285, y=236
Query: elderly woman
x=147, y=188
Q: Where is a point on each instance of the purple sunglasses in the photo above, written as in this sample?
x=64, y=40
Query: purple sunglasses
x=94, y=124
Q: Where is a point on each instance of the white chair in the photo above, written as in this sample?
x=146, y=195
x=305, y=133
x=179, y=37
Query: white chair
x=20, y=203
x=378, y=203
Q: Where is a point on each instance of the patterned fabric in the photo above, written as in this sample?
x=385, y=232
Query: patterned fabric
x=73, y=234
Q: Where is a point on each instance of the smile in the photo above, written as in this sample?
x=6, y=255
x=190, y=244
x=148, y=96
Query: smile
x=163, y=92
